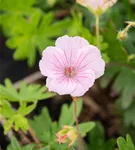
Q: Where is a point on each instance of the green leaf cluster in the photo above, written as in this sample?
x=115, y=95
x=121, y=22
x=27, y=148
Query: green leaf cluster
x=16, y=118
x=125, y=144
x=77, y=28
x=29, y=29
x=46, y=129
x=26, y=93
x=14, y=145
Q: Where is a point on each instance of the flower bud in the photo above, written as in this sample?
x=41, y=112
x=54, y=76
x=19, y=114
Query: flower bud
x=68, y=134
x=122, y=35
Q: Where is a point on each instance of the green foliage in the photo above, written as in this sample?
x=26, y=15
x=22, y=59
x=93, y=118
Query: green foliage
x=115, y=50
x=36, y=33
x=128, y=116
x=64, y=119
x=26, y=93
x=13, y=13
x=15, y=118
x=30, y=26
x=14, y=145
x=125, y=144
x=86, y=127
x=29, y=29
x=97, y=139
x=46, y=129
x=77, y=28
x=125, y=77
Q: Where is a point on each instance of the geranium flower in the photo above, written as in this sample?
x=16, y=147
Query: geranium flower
x=97, y=6
x=71, y=66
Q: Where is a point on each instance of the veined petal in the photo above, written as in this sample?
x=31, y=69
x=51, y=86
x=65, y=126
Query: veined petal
x=84, y=81
x=89, y=58
x=69, y=50
x=52, y=63
x=99, y=4
x=71, y=66
x=75, y=42
x=61, y=86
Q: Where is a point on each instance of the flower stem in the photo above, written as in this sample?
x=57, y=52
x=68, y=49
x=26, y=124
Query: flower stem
x=97, y=31
x=36, y=140
x=24, y=137
x=77, y=124
x=130, y=24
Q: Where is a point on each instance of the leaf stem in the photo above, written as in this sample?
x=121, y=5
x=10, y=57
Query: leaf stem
x=97, y=31
x=36, y=140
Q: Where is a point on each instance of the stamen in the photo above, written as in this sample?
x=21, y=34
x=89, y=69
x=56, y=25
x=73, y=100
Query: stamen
x=69, y=71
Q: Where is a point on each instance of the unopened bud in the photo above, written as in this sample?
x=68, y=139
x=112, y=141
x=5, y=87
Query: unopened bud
x=122, y=35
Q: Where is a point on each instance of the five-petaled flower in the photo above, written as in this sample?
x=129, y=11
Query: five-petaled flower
x=71, y=66
x=97, y=6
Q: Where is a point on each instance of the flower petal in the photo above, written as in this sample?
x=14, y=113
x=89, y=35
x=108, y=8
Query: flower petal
x=98, y=66
x=89, y=58
x=84, y=81
x=75, y=42
x=52, y=62
x=70, y=45
x=61, y=86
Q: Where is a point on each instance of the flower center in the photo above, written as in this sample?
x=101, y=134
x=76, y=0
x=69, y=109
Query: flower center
x=69, y=71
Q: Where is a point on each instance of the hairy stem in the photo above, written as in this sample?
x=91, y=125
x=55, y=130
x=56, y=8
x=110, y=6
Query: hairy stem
x=77, y=124
x=130, y=24
x=97, y=31
x=36, y=140
x=23, y=136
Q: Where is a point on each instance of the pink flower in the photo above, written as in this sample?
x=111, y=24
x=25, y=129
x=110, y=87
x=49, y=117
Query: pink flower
x=71, y=66
x=97, y=6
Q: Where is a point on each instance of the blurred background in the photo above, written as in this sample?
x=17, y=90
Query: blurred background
x=28, y=27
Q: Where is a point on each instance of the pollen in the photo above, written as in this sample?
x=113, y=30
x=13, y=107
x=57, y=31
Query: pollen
x=69, y=71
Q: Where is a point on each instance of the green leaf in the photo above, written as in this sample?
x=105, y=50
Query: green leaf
x=45, y=148
x=20, y=122
x=129, y=118
x=125, y=144
x=125, y=77
x=6, y=109
x=97, y=139
x=36, y=33
x=7, y=126
x=42, y=125
x=110, y=73
x=121, y=76
x=67, y=117
x=86, y=127
x=14, y=12
x=15, y=146
x=25, y=110
x=26, y=93
x=16, y=5
x=116, y=52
